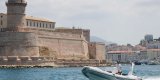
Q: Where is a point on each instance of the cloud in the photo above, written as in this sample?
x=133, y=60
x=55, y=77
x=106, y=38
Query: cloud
x=121, y=21
x=2, y=7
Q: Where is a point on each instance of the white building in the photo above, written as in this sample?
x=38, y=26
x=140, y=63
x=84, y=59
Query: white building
x=121, y=56
x=153, y=54
x=153, y=45
x=127, y=56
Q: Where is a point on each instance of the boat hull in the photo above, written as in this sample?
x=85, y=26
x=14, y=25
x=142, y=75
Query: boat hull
x=94, y=74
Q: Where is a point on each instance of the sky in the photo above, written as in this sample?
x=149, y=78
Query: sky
x=119, y=21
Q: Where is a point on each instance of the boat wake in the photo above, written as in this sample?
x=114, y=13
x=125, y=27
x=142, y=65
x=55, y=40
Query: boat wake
x=152, y=78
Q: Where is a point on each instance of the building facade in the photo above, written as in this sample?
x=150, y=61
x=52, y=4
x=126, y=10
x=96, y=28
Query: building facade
x=126, y=53
x=121, y=56
x=30, y=22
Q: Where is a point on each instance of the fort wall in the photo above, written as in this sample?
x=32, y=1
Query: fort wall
x=84, y=32
x=97, y=51
x=18, y=44
x=63, y=45
x=100, y=51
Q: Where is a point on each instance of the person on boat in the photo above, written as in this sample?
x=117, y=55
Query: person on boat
x=118, y=69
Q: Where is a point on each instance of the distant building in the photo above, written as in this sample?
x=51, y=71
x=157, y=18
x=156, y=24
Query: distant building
x=143, y=43
x=125, y=53
x=121, y=56
x=148, y=37
x=153, y=45
x=127, y=56
x=150, y=43
x=153, y=54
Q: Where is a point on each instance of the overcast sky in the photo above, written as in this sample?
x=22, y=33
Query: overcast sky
x=120, y=21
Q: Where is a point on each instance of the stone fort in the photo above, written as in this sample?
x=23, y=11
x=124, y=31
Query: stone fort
x=27, y=40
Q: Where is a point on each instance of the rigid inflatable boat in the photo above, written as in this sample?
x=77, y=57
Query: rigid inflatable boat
x=94, y=73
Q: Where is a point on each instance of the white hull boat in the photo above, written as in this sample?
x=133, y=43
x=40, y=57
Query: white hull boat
x=94, y=73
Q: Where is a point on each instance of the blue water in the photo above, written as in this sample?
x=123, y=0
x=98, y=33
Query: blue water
x=147, y=72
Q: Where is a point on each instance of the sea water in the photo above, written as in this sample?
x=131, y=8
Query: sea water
x=147, y=72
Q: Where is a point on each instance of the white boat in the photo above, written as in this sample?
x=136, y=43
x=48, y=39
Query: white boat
x=94, y=73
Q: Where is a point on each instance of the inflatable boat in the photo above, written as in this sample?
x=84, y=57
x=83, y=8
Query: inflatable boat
x=94, y=73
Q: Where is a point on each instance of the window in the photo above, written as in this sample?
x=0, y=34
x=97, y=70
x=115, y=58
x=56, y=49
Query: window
x=119, y=57
x=27, y=23
x=37, y=24
x=53, y=25
x=43, y=25
x=40, y=24
x=34, y=24
x=1, y=22
x=30, y=23
x=46, y=25
x=50, y=25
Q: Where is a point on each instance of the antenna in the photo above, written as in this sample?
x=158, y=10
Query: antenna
x=132, y=69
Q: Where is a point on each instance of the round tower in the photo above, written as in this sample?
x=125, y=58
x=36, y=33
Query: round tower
x=16, y=14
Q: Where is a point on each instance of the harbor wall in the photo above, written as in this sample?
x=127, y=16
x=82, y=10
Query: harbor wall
x=26, y=61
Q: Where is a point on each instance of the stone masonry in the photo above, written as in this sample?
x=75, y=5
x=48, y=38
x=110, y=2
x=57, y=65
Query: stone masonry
x=27, y=45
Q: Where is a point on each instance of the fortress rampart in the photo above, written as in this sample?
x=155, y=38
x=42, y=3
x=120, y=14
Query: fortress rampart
x=18, y=44
x=46, y=43
x=84, y=32
x=63, y=45
x=35, y=41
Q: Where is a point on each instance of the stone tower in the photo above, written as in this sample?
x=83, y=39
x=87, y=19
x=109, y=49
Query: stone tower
x=16, y=14
x=14, y=41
